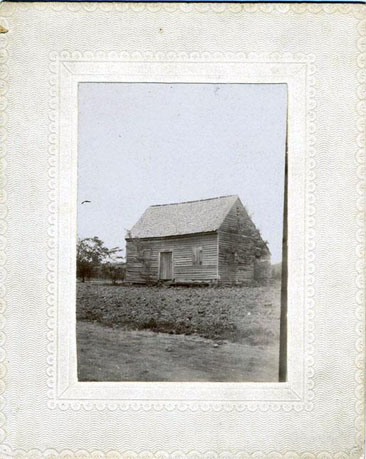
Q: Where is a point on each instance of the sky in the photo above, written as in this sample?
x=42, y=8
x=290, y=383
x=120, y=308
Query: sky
x=142, y=144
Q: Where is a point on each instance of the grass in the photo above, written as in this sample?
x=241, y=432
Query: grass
x=247, y=315
x=113, y=354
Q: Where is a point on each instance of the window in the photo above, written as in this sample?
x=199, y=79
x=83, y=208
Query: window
x=197, y=255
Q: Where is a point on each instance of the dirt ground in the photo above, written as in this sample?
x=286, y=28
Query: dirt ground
x=112, y=354
x=129, y=333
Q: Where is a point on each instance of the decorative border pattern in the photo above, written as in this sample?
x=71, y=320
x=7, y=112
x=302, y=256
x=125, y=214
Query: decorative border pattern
x=179, y=454
x=310, y=229
x=56, y=59
x=52, y=228
x=268, y=8
x=4, y=72
x=359, y=159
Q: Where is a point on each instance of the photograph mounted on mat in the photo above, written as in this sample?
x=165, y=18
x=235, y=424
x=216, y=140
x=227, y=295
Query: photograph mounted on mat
x=182, y=251
x=180, y=231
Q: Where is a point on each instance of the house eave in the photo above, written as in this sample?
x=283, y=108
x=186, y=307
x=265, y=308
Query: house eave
x=175, y=236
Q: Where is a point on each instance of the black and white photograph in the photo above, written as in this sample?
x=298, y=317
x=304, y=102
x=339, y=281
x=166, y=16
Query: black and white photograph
x=182, y=230
x=181, y=225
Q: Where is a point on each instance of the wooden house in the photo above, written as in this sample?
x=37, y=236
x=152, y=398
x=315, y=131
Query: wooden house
x=207, y=241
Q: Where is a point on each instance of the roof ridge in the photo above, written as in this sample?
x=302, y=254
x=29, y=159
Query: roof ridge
x=195, y=200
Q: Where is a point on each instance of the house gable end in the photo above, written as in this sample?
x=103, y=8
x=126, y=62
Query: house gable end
x=243, y=255
x=238, y=221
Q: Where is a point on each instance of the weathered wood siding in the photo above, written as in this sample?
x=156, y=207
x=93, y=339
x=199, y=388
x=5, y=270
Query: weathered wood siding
x=236, y=259
x=240, y=249
x=238, y=221
x=143, y=258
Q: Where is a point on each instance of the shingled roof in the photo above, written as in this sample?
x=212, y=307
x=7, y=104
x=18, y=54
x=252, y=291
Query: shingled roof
x=181, y=218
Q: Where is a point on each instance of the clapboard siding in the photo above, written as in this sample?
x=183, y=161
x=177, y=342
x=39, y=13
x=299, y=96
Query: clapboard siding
x=240, y=247
x=229, y=250
x=143, y=258
x=238, y=221
x=236, y=260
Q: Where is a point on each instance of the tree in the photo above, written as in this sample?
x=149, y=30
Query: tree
x=142, y=255
x=90, y=254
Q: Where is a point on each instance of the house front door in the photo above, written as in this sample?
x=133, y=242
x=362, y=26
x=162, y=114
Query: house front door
x=166, y=266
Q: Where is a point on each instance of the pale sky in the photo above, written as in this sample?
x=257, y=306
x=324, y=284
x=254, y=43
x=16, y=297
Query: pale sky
x=143, y=143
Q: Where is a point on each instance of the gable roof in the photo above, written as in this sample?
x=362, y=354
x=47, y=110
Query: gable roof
x=189, y=217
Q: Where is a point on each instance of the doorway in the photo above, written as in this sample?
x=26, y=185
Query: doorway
x=166, y=266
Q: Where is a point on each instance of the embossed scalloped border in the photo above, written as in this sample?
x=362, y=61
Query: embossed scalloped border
x=360, y=342
x=268, y=8
x=4, y=72
x=270, y=58
x=179, y=454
